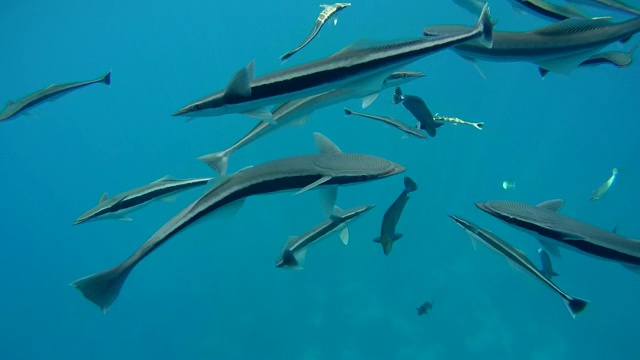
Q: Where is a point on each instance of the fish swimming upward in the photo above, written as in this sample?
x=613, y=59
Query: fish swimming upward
x=560, y=47
x=410, y=130
x=295, y=250
x=553, y=229
x=604, y=188
x=391, y=217
x=327, y=12
x=298, y=111
x=50, y=93
x=329, y=168
x=117, y=207
x=418, y=108
x=519, y=260
x=249, y=96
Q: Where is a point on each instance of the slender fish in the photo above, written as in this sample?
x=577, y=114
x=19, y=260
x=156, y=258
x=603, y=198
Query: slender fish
x=519, y=260
x=609, y=5
x=455, y=121
x=329, y=168
x=547, y=267
x=49, y=93
x=424, y=308
x=550, y=10
x=391, y=217
x=390, y=121
x=605, y=186
x=327, y=12
x=418, y=108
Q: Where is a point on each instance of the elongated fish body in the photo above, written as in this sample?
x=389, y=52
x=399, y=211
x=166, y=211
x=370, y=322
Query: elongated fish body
x=418, y=108
x=49, y=93
x=250, y=96
x=424, y=308
x=550, y=10
x=298, y=111
x=329, y=168
x=294, y=252
x=609, y=5
x=455, y=121
x=560, y=47
x=327, y=12
x=547, y=267
x=390, y=121
x=392, y=216
x=518, y=259
x=605, y=186
x=553, y=229
x=118, y=206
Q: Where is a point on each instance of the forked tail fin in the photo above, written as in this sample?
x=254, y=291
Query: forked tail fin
x=217, y=161
x=576, y=305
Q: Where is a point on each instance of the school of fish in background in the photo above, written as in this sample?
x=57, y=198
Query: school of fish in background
x=363, y=70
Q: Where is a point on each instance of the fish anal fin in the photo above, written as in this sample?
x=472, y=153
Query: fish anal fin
x=344, y=235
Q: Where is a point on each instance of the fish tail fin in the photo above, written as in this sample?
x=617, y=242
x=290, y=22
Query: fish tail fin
x=397, y=96
x=410, y=185
x=485, y=26
x=107, y=78
x=479, y=125
x=104, y=287
x=576, y=305
x=217, y=161
x=347, y=111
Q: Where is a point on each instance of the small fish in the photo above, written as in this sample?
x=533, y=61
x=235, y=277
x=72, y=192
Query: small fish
x=418, y=108
x=295, y=250
x=117, y=207
x=549, y=10
x=519, y=260
x=602, y=190
x=547, y=268
x=509, y=185
x=424, y=308
x=49, y=93
x=327, y=12
x=609, y=5
x=392, y=216
x=455, y=121
x=390, y=121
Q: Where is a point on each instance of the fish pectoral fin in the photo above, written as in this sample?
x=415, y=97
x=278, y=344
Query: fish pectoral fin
x=300, y=256
x=565, y=64
x=328, y=197
x=324, y=145
x=553, y=205
x=369, y=99
x=230, y=210
x=240, y=83
x=169, y=198
x=103, y=198
x=474, y=241
x=344, y=235
x=301, y=121
x=124, y=218
x=318, y=182
x=262, y=113
x=164, y=178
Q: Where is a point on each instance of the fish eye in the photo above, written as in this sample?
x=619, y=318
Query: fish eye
x=363, y=177
x=197, y=106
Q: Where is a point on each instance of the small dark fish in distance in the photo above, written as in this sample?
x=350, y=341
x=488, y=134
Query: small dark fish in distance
x=424, y=308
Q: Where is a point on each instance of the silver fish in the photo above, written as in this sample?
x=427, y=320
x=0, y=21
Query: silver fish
x=330, y=168
x=327, y=12
x=250, y=96
x=550, y=10
x=295, y=250
x=390, y=121
x=547, y=267
x=298, y=111
x=49, y=93
x=455, y=121
x=418, y=108
x=118, y=206
x=605, y=186
x=518, y=259
x=391, y=217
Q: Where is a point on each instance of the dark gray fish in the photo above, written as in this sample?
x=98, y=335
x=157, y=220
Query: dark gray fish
x=424, y=308
x=327, y=12
x=117, y=207
x=547, y=267
x=519, y=260
x=391, y=217
x=49, y=93
x=330, y=168
x=418, y=108
x=390, y=121
x=249, y=96
x=550, y=10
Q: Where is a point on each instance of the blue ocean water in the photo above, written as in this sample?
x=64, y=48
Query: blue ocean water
x=213, y=292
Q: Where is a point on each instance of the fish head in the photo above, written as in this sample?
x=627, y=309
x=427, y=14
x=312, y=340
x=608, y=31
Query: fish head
x=465, y=224
x=442, y=30
x=213, y=105
x=401, y=77
x=340, y=6
x=356, y=212
x=345, y=168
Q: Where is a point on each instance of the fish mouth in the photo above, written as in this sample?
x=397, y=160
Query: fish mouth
x=397, y=169
x=78, y=221
x=181, y=112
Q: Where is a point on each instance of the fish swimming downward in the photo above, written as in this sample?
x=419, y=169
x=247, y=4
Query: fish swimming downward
x=295, y=251
x=329, y=169
x=518, y=259
x=50, y=93
x=604, y=188
x=418, y=108
x=327, y=12
x=117, y=207
x=391, y=217
x=249, y=96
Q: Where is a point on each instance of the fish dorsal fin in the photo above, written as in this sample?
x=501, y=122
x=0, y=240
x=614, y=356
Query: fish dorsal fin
x=240, y=83
x=318, y=182
x=369, y=99
x=262, y=113
x=324, y=145
x=103, y=198
x=572, y=26
x=164, y=178
x=50, y=86
x=553, y=205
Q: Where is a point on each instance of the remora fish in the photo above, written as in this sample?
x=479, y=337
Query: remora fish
x=605, y=186
x=472, y=6
x=392, y=216
x=547, y=267
x=329, y=168
x=456, y=121
x=550, y=10
x=519, y=259
x=553, y=229
x=49, y=93
x=116, y=207
x=424, y=308
x=327, y=12
x=560, y=47
x=295, y=250
x=418, y=108
x=619, y=59
x=298, y=111
x=609, y=5
x=391, y=121
x=250, y=96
